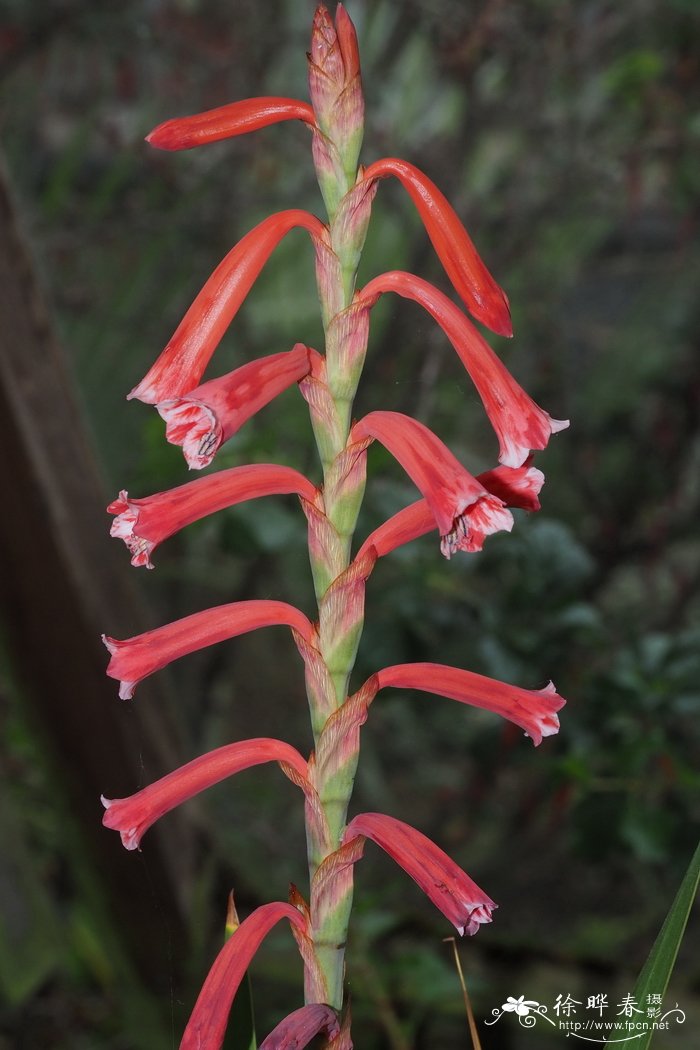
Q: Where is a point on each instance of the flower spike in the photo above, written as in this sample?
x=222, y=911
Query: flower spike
x=212, y=413
x=449, y=888
x=145, y=523
x=207, y=1024
x=484, y=299
x=520, y=424
x=516, y=487
x=534, y=710
x=133, y=816
x=224, y=122
x=183, y=361
x=465, y=512
x=135, y=658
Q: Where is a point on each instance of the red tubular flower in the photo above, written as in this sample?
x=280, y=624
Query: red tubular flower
x=299, y=1028
x=464, y=511
x=224, y=122
x=449, y=888
x=135, y=658
x=183, y=361
x=534, y=710
x=516, y=487
x=207, y=1024
x=133, y=816
x=145, y=523
x=520, y=424
x=212, y=413
x=484, y=299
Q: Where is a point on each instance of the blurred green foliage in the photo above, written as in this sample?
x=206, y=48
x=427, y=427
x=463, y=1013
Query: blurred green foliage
x=566, y=134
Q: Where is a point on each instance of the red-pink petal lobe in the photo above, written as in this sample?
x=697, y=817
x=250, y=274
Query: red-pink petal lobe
x=299, y=1028
x=207, y=1024
x=465, y=512
x=145, y=523
x=135, y=658
x=449, y=888
x=516, y=487
x=520, y=424
x=483, y=297
x=133, y=816
x=183, y=361
x=224, y=122
x=212, y=413
x=534, y=710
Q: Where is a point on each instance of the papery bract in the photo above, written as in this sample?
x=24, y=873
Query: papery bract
x=183, y=361
x=134, y=815
x=133, y=659
x=534, y=710
x=520, y=424
x=449, y=888
x=207, y=1024
x=465, y=512
x=145, y=523
x=212, y=413
x=484, y=298
x=224, y=122
x=300, y=1027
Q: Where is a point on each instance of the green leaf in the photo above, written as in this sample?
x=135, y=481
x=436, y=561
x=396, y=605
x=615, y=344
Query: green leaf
x=656, y=972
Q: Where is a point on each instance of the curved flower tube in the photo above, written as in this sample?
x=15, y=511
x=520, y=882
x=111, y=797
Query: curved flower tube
x=298, y=1029
x=133, y=816
x=515, y=486
x=183, y=361
x=483, y=297
x=449, y=888
x=145, y=523
x=224, y=122
x=464, y=511
x=534, y=710
x=212, y=413
x=133, y=659
x=520, y=424
x=207, y=1024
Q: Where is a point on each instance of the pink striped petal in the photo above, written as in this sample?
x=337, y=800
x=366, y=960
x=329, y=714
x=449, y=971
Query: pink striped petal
x=224, y=122
x=448, y=887
x=299, y=1028
x=145, y=523
x=133, y=816
x=206, y=1027
x=135, y=658
x=183, y=361
x=212, y=413
x=453, y=245
x=534, y=710
x=520, y=424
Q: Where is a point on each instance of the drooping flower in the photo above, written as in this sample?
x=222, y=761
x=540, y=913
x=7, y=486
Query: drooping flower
x=224, y=122
x=145, y=523
x=515, y=486
x=212, y=413
x=133, y=816
x=534, y=710
x=521, y=426
x=449, y=888
x=207, y=1024
x=483, y=297
x=298, y=1029
x=183, y=361
x=465, y=512
x=133, y=659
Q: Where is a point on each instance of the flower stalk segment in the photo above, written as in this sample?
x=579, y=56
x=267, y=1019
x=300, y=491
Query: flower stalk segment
x=463, y=509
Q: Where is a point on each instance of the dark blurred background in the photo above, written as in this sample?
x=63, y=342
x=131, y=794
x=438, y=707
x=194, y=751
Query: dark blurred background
x=567, y=136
